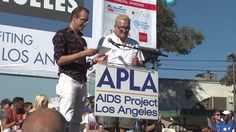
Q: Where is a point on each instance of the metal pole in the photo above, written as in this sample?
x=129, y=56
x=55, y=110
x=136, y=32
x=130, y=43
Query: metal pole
x=231, y=58
x=234, y=90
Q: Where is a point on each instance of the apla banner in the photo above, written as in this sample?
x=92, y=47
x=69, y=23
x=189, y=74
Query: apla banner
x=126, y=92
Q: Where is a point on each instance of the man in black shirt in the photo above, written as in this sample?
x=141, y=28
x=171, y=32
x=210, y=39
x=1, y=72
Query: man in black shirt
x=70, y=53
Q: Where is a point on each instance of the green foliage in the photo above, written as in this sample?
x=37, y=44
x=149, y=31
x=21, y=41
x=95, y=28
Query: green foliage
x=170, y=37
x=228, y=77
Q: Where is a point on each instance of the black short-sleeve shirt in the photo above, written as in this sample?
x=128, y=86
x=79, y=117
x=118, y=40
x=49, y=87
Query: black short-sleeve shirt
x=66, y=42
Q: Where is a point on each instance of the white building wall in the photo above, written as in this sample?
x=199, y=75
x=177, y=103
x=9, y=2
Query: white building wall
x=175, y=94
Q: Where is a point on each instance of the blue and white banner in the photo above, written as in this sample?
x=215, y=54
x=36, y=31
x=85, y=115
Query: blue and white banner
x=24, y=51
x=27, y=28
x=126, y=92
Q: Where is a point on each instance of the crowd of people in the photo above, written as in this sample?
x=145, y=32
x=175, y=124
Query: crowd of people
x=20, y=116
x=221, y=122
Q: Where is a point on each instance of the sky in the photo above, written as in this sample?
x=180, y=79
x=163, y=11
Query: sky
x=216, y=20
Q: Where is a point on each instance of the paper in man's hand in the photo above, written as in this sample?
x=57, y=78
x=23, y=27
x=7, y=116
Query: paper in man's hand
x=102, y=50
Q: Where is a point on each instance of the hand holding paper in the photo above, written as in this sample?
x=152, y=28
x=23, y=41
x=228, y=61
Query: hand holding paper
x=102, y=50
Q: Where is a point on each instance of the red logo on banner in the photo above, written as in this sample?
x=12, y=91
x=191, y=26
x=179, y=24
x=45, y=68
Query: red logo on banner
x=143, y=37
x=136, y=4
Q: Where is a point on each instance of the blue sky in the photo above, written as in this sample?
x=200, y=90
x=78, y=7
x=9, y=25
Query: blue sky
x=216, y=19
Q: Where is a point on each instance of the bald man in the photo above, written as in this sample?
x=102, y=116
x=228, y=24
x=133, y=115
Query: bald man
x=45, y=120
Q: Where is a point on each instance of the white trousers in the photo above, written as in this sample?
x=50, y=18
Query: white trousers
x=7, y=130
x=72, y=96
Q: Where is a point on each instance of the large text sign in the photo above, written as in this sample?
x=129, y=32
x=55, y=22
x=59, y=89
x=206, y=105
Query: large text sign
x=126, y=92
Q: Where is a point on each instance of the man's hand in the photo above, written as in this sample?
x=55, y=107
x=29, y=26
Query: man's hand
x=100, y=58
x=136, y=62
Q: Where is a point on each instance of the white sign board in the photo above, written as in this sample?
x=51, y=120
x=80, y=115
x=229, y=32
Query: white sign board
x=126, y=92
x=24, y=51
x=143, y=19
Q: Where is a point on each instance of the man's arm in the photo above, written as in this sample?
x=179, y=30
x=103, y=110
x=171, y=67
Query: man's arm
x=66, y=59
x=97, y=59
x=5, y=123
x=60, y=50
x=158, y=125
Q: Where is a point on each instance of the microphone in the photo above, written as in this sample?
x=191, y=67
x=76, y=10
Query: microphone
x=113, y=43
x=151, y=51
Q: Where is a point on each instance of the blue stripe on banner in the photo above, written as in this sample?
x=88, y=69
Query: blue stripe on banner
x=43, y=24
x=31, y=22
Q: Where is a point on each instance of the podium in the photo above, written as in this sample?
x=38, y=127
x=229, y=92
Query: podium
x=130, y=92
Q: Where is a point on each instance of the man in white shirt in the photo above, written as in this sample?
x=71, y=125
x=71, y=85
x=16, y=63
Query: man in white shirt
x=123, y=51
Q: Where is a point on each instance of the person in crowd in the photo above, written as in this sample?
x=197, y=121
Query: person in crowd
x=153, y=125
x=45, y=120
x=144, y=125
x=27, y=107
x=122, y=54
x=88, y=119
x=15, y=116
x=227, y=125
x=213, y=123
x=207, y=130
x=41, y=101
x=70, y=52
x=216, y=121
x=5, y=106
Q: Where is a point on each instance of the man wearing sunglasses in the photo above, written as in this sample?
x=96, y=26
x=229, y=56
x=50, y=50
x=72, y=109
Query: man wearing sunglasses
x=122, y=52
x=227, y=125
x=216, y=121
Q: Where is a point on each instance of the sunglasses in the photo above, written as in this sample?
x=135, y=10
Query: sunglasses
x=226, y=115
x=123, y=28
x=83, y=20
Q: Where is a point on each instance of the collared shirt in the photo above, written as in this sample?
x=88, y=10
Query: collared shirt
x=216, y=127
x=122, y=55
x=226, y=127
x=3, y=114
x=66, y=42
